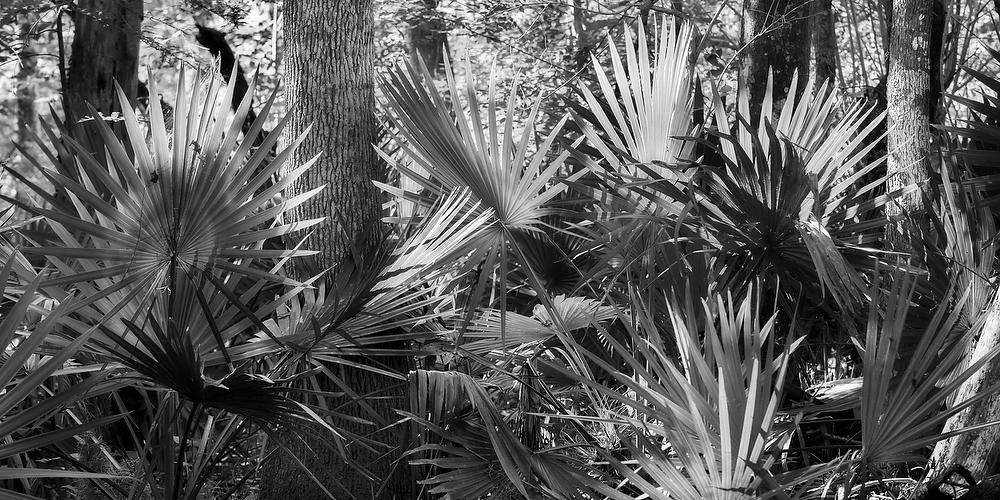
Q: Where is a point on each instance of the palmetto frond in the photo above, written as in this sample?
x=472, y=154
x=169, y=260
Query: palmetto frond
x=484, y=333
x=901, y=405
x=781, y=197
x=453, y=147
x=385, y=299
x=641, y=124
x=649, y=103
x=961, y=248
x=182, y=224
x=466, y=437
x=983, y=129
x=786, y=199
x=458, y=147
x=830, y=138
x=161, y=250
x=556, y=258
x=22, y=411
x=187, y=203
x=716, y=409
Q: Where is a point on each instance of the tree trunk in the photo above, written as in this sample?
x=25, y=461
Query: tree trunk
x=27, y=119
x=913, y=91
x=773, y=36
x=329, y=84
x=909, y=100
x=939, y=18
x=105, y=49
x=978, y=451
x=428, y=37
x=824, y=41
x=215, y=41
x=583, y=41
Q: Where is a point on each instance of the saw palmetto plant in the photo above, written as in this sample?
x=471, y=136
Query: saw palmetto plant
x=30, y=399
x=652, y=122
x=618, y=307
x=703, y=428
x=154, y=257
x=676, y=398
x=788, y=206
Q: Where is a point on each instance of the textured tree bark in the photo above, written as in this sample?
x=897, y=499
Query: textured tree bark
x=428, y=38
x=913, y=94
x=775, y=38
x=939, y=17
x=824, y=41
x=908, y=96
x=977, y=451
x=105, y=49
x=329, y=84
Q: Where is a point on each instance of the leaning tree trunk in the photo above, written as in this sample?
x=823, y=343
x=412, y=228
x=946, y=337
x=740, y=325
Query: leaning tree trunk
x=912, y=96
x=978, y=451
x=105, y=49
x=329, y=84
x=775, y=38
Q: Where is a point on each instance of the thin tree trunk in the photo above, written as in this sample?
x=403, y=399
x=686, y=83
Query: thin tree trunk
x=27, y=119
x=583, y=42
x=939, y=18
x=329, y=84
x=773, y=36
x=908, y=96
x=824, y=41
x=912, y=91
x=428, y=38
x=105, y=49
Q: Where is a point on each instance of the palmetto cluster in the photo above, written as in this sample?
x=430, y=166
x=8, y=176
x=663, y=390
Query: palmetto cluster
x=609, y=309
x=684, y=228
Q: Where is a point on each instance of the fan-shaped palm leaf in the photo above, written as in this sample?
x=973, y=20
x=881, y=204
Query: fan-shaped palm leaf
x=901, y=406
x=505, y=171
x=649, y=103
x=184, y=213
x=166, y=261
x=19, y=422
x=480, y=456
x=385, y=299
x=785, y=200
x=701, y=429
x=485, y=333
x=185, y=204
x=961, y=247
x=467, y=148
